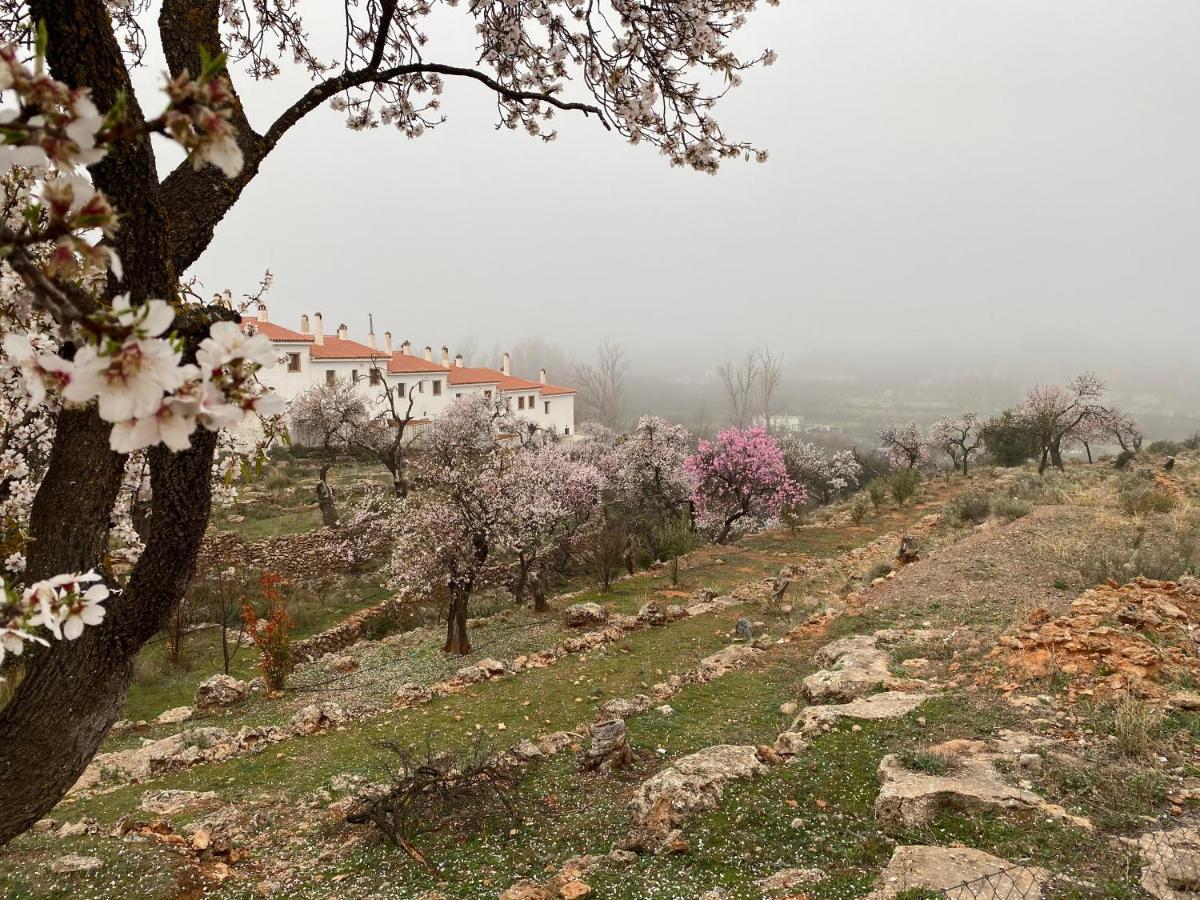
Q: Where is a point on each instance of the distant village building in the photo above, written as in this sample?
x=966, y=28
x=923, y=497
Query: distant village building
x=308, y=357
x=782, y=424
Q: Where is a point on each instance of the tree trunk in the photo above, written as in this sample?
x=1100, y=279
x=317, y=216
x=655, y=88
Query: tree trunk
x=538, y=584
x=630, y=567
x=1088, y=447
x=72, y=691
x=1056, y=456
x=325, y=502
x=675, y=572
x=457, y=640
x=1042, y=461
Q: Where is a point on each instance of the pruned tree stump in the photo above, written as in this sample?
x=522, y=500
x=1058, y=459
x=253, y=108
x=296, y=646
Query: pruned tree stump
x=908, y=550
x=610, y=747
x=779, y=585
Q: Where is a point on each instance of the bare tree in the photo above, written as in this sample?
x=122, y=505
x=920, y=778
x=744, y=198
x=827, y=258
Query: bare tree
x=328, y=414
x=770, y=369
x=741, y=382
x=382, y=434
x=602, y=386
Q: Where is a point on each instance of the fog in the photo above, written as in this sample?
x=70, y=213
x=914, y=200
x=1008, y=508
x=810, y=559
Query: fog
x=962, y=198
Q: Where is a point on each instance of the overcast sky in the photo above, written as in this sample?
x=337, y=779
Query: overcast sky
x=1013, y=181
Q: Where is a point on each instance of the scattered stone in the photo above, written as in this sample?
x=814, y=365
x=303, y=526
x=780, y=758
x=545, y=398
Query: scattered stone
x=855, y=668
x=73, y=862
x=525, y=890
x=580, y=615
x=693, y=783
x=175, y=716
x=220, y=691
x=120, y=727
x=172, y=802
x=786, y=879
x=665, y=710
x=344, y=664
x=574, y=890
x=725, y=660
x=790, y=743
x=610, y=747
x=78, y=829
x=960, y=872
x=622, y=708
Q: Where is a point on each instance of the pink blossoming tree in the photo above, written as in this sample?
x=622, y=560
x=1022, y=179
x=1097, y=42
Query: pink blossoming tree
x=740, y=477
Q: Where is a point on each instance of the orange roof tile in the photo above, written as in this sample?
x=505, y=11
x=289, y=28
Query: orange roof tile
x=275, y=332
x=337, y=348
x=467, y=375
x=406, y=363
x=552, y=389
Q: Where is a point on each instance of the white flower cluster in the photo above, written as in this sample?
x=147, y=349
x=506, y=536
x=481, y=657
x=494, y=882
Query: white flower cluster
x=141, y=386
x=62, y=605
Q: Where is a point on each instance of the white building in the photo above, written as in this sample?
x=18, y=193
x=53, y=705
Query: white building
x=312, y=357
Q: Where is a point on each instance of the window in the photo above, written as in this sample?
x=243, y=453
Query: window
x=547, y=404
x=376, y=376
x=400, y=390
x=487, y=395
x=293, y=362
x=520, y=403
x=420, y=387
x=531, y=401
x=330, y=376
x=354, y=376
x=457, y=394
x=566, y=431
x=437, y=389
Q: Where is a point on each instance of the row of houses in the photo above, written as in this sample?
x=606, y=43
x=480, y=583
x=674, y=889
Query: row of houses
x=309, y=357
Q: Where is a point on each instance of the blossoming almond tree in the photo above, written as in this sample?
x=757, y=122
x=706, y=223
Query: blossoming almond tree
x=150, y=371
x=958, y=437
x=822, y=474
x=1058, y=414
x=740, y=477
x=906, y=447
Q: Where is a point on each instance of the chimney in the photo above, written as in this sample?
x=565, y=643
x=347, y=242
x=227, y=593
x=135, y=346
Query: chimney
x=504, y=364
x=371, y=331
x=406, y=348
x=318, y=329
x=371, y=340
x=342, y=332
x=542, y=375
x=458, y=361
x=445, y=357
x=428, y=353
x=262, y=311
x=387, y=342
x=304, y=324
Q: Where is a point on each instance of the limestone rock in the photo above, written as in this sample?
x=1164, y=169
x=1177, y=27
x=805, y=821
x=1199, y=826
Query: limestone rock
x=855, y=668
x=525, y=890
x=913, y=799
x=960, y=872
x=220, y=691
x=622, y=708
x=786, y=879
x=693, y=783
x=73, y=862
x=172, y=802
x=725, y=660
x=175, y=716
x=411, y=694
x=318, y=717
x=581, y=615
x=887, y=705
x=1171, y=863
x=652, y=614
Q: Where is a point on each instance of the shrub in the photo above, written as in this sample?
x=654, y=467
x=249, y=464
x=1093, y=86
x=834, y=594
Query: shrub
x=1008, y=442
x=1165, y=556
x=457, y=792
x=879, y=570
x=903, y=483
x=1135, y=726
x=1140, y=496
x=272, y=635
x=970, y=508
x=877, y=490
x=1124, y=458
x=1009, y=508
x=858, y=509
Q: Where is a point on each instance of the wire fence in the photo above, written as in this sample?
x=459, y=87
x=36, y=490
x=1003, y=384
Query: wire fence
x=1162, y=864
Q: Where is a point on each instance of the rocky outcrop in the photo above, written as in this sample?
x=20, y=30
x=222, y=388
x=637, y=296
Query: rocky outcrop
x=580, y=615
x=220, y=691
x=73, y=862
x=958, y=873
x=693, y=783
x=318, y=717
x=887, y=705
x=971, y=783
x=172, y=802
